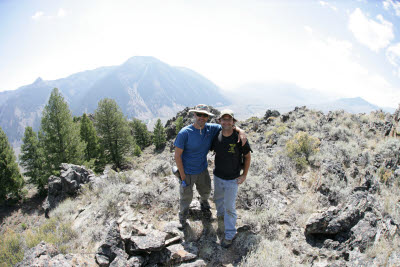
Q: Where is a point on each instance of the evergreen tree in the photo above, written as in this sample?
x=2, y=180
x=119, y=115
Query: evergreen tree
x=178, y=124
x=11, y=181
x=89, y=136
x=32, y=159
x=113, y=130
x=159, y=136
x=140, y=133
x=137, y=151
x=61, y=138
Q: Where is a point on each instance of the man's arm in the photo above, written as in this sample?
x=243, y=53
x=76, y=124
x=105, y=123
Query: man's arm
x=247, y=160
x=179, y=163
x=242, y=135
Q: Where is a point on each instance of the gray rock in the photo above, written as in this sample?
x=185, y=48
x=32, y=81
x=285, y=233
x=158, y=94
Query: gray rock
x=178, y=253
x=111, y=247
x=198, y=263
x=42, y=250
x=47, y=255
x=340, y=219
x=154, y=240
x=71, y=179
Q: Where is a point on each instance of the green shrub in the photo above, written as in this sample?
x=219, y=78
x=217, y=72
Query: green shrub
x=11, y=250
x=178, y=124
x=54, y=232
x=384, y=175
x=301, y=147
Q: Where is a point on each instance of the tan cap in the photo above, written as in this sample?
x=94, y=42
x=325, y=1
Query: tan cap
x=227, y=112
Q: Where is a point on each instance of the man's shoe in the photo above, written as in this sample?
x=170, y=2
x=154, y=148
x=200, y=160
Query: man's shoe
x=226, y=243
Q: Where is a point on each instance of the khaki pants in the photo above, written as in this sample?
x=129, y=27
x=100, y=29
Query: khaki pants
x=203, y=186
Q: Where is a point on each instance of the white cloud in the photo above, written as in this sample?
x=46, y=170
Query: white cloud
x=37, y=15
x=375, y=35
x=393, y=56
x=308, y=29
x=331, y=65
x=387, y=4
x=323, y=3
x=40, y=15
x=61, y=13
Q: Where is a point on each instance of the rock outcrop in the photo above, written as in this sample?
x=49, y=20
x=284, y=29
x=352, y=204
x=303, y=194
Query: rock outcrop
x=48, y=255
x=130, y=242
x=358, y=223
x=71, y=179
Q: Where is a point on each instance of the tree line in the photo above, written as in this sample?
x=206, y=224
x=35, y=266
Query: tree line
x=106, y=137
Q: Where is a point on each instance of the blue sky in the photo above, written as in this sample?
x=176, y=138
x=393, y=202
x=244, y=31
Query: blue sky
x=344, y=48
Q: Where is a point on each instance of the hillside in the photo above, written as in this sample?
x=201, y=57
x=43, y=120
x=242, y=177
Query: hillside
x=322, y=190
x=144, y=88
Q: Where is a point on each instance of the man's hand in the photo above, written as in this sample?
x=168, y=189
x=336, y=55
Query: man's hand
x=241, y=179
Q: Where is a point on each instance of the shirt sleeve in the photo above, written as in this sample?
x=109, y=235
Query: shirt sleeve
x=214, y=129
x=181, y=140
x=246, y=148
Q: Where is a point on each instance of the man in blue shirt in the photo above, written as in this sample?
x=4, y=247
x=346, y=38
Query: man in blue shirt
x=191, y=147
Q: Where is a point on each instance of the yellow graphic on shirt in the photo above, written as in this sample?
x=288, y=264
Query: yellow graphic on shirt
x=231, y=148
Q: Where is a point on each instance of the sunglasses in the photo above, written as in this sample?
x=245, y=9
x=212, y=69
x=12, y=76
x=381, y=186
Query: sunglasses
x=202, y=115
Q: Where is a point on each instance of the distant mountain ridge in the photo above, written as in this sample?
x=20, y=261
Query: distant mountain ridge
x=255, y=98
x=144, y=88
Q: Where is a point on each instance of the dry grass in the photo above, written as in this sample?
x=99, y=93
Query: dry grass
x=269, y=253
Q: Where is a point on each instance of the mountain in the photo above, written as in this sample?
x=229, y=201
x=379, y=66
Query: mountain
x=144, y=87
x=352, y=105
x=254, y=98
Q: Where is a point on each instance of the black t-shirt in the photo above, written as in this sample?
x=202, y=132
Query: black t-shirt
x=227, y=155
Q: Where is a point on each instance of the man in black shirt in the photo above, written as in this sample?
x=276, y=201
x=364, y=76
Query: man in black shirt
x=228, y=164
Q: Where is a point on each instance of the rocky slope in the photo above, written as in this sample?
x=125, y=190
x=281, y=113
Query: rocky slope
x=340, y=207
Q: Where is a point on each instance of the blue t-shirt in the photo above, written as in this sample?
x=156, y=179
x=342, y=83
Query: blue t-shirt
x=196, y=146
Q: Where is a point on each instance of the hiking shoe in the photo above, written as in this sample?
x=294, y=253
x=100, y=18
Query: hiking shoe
x=226, y=243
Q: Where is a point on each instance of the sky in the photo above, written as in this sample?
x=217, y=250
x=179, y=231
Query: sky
x=346, y=48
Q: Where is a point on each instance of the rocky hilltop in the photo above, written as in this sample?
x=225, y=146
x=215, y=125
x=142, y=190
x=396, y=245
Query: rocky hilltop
x=322, y=190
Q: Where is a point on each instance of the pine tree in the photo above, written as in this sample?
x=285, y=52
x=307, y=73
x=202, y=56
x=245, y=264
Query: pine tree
x=61, y=138
x=140, y=133
x=32, y=159
x=178, y=124
x=89, y=136
x=159, y=136
x=113, y=130
x=11, y=181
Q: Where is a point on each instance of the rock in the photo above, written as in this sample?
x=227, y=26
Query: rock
x=47, y=255
x=153, y=241
x=180, y=254
x=198, y=263
x=271, y=113
x=158, y=167
x=42, y=250
x=340, y=219
x=111, y=247
x=71, y=179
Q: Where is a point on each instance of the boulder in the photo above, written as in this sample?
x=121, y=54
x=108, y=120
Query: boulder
x=112, y=247
x=47, y=255
x=71, y=179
